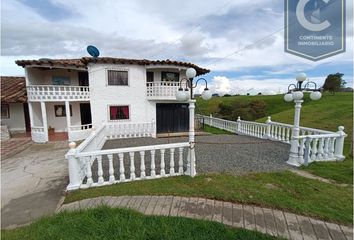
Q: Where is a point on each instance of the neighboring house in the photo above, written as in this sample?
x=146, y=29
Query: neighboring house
x=73, y=95
x=14, y=108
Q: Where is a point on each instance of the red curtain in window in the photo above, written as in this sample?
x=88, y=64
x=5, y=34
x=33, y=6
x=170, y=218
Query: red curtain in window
x=113, y=113
x=125, y=110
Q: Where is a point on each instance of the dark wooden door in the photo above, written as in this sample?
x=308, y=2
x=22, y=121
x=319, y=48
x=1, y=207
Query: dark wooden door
x=172, y=117
x=85, y=113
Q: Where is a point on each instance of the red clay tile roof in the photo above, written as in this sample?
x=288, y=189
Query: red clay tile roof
x=13, y=90
x=53, y=62
x=82, y=63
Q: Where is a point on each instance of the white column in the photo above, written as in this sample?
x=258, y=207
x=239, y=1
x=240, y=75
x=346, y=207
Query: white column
x=268, y=122
x=30, y=111
x=294, y=149
x=44, y=120
x=67, y=112
x=191, y=152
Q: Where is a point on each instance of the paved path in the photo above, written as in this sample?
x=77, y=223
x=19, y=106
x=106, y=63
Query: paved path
x=32, y=183
x=13, y=146
x=234, y=154
x=270, y=221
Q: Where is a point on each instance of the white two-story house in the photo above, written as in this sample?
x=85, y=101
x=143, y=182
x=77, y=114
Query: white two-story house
x=74, y=96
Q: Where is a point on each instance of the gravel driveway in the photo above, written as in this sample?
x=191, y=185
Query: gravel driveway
x=233, y=154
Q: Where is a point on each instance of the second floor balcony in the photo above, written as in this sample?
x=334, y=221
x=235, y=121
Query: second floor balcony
x=161, y=90
x=37, y=93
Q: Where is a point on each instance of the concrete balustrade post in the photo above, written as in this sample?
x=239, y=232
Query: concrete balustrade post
x=211, y=119
x=238, y=125
x=294, y=159
x=74, y=168
x=191, y=151
x=340, y=144
x=269, y=124
x=153, y=134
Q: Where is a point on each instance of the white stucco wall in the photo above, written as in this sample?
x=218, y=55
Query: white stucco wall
x=37, y=76
x=134, y=95
x=16, y=122
x=59, y=123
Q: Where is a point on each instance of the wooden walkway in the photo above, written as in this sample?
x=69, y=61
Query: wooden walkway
x=269, y=221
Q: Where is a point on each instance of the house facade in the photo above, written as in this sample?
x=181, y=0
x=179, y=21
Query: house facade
x=14, y=108
x=74, y=96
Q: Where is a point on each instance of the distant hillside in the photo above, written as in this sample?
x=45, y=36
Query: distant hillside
x=328, y=113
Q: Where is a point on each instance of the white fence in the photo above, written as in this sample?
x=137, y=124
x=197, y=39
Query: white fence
x=314, y=144
x=57, y=93
x=89, y=166
x=161, y=90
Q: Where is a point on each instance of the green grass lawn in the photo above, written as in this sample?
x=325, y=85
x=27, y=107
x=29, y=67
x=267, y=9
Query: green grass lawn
x=106, y=223
x=328, y=113
x=281, y=190
x=213, y=130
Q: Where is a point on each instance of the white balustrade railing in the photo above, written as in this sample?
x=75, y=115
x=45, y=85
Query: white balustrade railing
x=38, y=134
x=56, y=92
x=323, y=147
x=162, y=90
x=105, y=167
x=219, y=123
x=314, y=144
x=79, y=132
x=130, y=130
x=94, y=141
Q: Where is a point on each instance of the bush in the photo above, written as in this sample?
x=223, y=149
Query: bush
x=247, y=111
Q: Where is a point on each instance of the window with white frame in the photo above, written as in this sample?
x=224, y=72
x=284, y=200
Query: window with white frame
x=118, y=113
x=117, y=78
x=5, y=111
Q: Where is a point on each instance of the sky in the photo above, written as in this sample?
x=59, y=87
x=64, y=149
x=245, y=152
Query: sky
x=240, y=41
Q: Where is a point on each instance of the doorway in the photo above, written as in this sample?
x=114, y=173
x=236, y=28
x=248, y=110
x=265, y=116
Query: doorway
x=172, y=117
x=85, y=113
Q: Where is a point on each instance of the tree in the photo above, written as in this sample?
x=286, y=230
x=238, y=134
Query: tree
x=334, y=82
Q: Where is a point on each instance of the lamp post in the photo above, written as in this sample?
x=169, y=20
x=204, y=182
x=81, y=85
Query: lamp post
x=295, y=93
x=184, y=95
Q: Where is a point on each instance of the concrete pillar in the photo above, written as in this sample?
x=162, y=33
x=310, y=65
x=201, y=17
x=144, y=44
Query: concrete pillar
x=67, y=112
x=44, y=120
x=294, y=149
x=191, y=152
x=30, y=111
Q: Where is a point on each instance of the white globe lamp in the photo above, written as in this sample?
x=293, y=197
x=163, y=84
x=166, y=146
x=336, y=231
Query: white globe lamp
x=180, y=95
x=191, y=73
x=206, y=94
x=301, y=77
x=315, y=95
x=288, y=97
x=298, y=95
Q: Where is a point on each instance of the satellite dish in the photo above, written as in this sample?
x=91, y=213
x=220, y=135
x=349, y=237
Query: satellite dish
x=93, y=51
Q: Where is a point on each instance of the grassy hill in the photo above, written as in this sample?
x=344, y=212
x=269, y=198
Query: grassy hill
x=328, y=113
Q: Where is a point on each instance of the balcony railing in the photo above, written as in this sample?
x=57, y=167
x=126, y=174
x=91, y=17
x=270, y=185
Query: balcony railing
x=161, y=90
x=58, y=93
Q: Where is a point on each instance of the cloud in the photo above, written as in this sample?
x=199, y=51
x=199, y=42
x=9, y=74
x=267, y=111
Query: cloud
x=223, y=85
x=222, y=35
